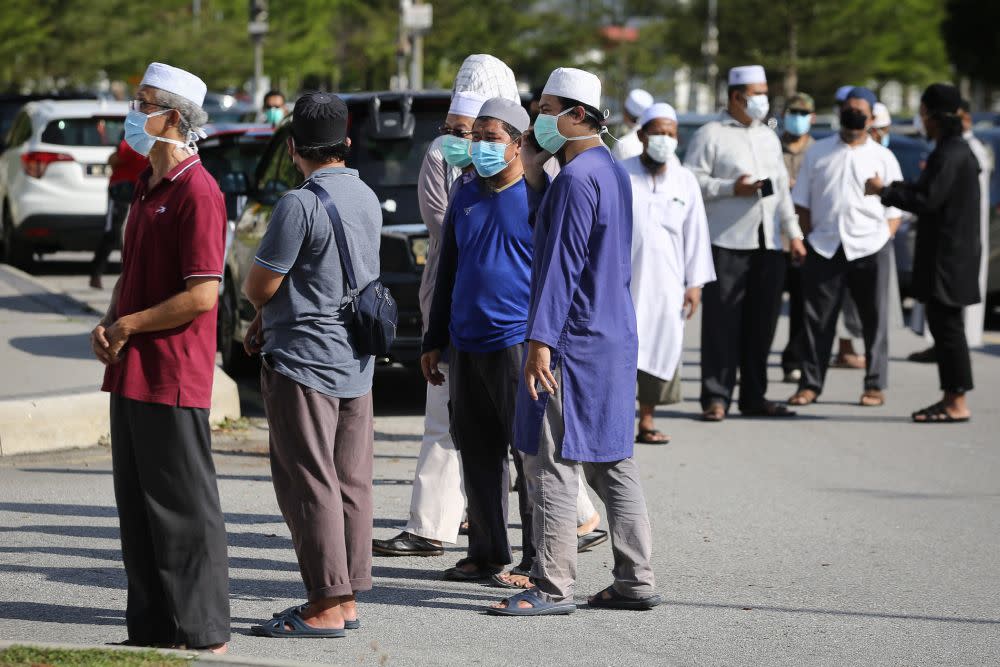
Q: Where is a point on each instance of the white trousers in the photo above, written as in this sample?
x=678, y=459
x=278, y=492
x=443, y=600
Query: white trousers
x=437, y=504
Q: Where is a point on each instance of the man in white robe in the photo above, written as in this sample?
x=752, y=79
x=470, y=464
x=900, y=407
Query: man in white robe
x=671, y=260
x=628, y=145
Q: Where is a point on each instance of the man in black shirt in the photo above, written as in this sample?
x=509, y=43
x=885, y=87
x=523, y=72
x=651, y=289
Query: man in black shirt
x=946, y=200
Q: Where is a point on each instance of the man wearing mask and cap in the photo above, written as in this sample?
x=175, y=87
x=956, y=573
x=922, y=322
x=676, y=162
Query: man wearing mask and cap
x=158, y=342
x=800, y=114
x=316, y=384
x=629, y=145
x=575, y=403
x=947, y=258
x=671, y=261
x=850, y=237
x=274, y=108
x=480, y=312
x=739, y=165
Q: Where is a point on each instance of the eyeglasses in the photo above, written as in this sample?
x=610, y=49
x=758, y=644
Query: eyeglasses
x=137, y=105
x=799, y=112
x=456, y=132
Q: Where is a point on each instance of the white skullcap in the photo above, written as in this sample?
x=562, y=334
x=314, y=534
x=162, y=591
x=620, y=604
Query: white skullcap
x=882, y=116
x=175, y=80
x=466, y=103
x=487, y=75
x=638, y=101
x=658, y=110
x=842, y=93
x=746, y=75
x=575, y=84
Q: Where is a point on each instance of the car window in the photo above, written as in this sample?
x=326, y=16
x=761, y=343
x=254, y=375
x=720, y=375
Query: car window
x=395, y=162
x=84, y=131
x=234, y=153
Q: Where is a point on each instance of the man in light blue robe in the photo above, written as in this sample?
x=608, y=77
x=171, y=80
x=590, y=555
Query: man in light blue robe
x=576, y=402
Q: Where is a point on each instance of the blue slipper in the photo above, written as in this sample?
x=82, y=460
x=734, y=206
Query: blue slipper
x=539, y=606
x=277, y=627
x=299, y=608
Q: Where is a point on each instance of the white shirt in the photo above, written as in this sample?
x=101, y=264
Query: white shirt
x=627, y=146
x=831, y=184
x=671, y=251
x=719, y=153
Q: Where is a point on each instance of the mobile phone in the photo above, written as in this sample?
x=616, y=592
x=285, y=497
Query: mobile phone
x=766, y=188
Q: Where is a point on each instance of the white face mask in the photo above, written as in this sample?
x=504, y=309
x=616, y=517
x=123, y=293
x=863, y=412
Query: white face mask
x=757, y=107
x=660, y=147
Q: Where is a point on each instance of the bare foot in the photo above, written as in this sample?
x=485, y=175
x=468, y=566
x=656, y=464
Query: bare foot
x=522, y=604
x=519, y=580
x=326, y=614
x=589, y=525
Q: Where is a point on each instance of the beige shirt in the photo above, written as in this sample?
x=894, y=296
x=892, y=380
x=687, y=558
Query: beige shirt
x=793, y=157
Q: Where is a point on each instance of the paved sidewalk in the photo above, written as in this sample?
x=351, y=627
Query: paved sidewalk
x=846, y=537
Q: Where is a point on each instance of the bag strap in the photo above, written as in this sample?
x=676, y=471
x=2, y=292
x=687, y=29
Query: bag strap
x=338, y=232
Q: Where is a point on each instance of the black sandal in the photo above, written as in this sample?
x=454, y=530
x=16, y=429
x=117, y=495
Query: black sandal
x=936, y=414
x=652, y=436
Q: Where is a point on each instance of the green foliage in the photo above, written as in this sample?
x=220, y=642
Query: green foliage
x=29, y=656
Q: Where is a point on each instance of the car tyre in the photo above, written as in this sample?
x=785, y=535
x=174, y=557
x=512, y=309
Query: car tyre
x=15, y=251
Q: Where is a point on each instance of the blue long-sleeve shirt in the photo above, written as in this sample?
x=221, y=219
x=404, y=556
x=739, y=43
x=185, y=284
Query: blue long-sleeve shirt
x=484, y=271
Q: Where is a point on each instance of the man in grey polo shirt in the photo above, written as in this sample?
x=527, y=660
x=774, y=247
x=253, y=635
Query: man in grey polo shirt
x=316, y=386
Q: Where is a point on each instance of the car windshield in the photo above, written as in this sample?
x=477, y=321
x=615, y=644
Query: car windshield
x=391, y=162
x=96, y=131
x=232, y=153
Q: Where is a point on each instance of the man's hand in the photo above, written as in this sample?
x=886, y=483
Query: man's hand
x=537, y=371
x=744, y=187
x=99, y=344
x=117, y=336
x=692, y=299
x=874, y=186
x=253, y=341
x=798, y=249
x=894, y=225
x=429, y=365
x=533, y=160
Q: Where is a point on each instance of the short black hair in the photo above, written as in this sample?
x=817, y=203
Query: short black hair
x=324, y=154
x=274, y=93
x=965, y=105
x=592, y=117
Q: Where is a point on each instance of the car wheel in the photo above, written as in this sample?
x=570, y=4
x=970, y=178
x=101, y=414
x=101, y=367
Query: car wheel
x=15, y=252
x=234, y=359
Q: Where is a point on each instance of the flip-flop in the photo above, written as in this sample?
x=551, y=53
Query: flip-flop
x=591, y=540
x=299, y=608
x=276, y=627
x=619, y=601
x=498, y=580
x=539, y=606
x=652, y=436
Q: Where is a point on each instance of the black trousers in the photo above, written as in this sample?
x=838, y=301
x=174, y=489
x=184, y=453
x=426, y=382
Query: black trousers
x=947, y=325
x=824, y=283
x=791, y=358
x=172, y=530
x=739, y=313
x=481, y=402
x=112, y=236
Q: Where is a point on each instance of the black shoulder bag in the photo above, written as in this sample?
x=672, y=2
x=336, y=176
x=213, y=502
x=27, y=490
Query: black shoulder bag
x=375, y=314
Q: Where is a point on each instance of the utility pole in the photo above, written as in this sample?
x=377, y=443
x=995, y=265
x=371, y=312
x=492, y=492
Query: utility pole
x=710, y=49
x=257, y=29
x=415, y=19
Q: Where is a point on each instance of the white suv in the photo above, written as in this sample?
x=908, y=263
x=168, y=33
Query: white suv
x=54, y=176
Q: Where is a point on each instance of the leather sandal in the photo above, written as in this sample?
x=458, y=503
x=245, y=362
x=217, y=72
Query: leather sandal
x=803, y=397
x=872, y=398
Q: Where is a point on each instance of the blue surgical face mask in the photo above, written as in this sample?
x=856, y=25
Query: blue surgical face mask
x=273, y=115
x=797, y=124
x=488, y=156
x=456, y=151
x=885, y=140
x=546, y=130
x=135, y=132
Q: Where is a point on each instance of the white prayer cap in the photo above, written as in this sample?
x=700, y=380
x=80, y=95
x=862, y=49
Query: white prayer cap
x=746, y=75
x=175, y=80
x=842, y=93
x=487, y=75
x=658, y=110
x=638, y=101
x=575, y=84
x=466, y=103
x=882, y=116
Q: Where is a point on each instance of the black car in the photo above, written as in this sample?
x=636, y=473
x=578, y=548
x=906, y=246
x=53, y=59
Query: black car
x=390, y=133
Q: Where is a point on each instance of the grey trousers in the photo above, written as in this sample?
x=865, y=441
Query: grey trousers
x=322, y=455
x=824, y=284
x=553, y=484
x=172, y=530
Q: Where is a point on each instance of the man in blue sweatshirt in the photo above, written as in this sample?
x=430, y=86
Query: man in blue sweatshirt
x=480, y=308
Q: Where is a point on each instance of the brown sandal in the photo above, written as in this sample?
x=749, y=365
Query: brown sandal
x=872, y=398
x=715, y=412
x=803, y=397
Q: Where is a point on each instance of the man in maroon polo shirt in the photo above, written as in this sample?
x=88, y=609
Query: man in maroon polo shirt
x=158, y=344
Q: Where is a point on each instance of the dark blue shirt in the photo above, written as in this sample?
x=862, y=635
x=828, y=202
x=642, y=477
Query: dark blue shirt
x=484, y=271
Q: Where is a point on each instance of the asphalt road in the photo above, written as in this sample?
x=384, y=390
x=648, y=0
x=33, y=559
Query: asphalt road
x=848, y=536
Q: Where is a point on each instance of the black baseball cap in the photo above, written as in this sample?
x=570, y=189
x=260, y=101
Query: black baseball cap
x=319, y=120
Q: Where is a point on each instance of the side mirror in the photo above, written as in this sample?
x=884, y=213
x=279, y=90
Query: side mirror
x=234, y=183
